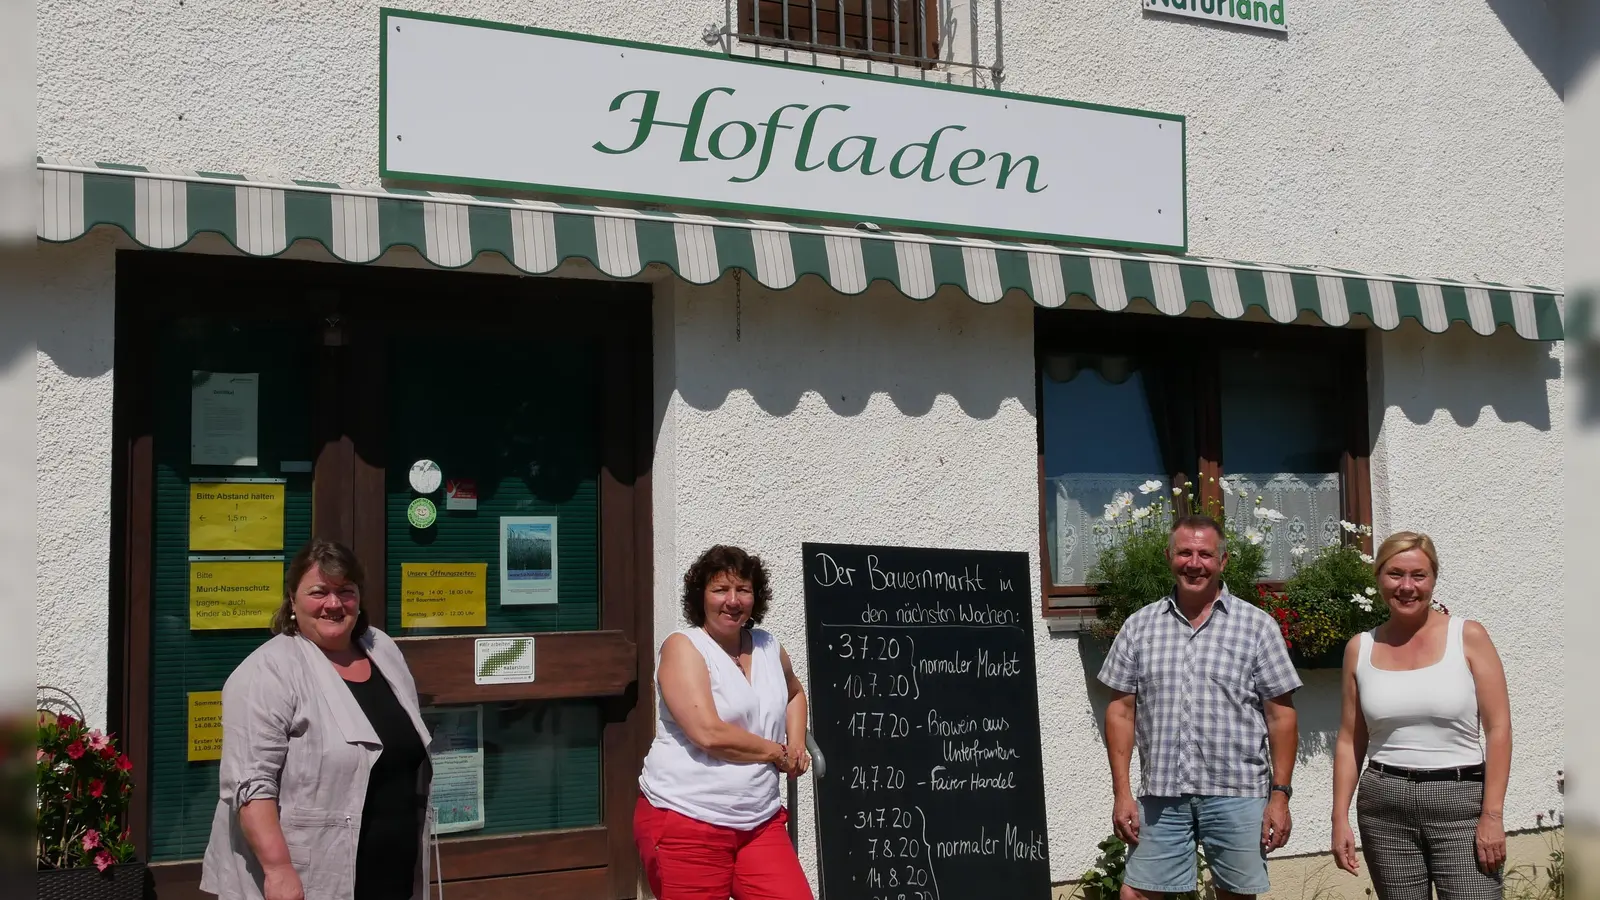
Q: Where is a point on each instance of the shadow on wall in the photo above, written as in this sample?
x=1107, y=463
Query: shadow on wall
x=736, y=335
x=1424, y=374
x=1533, y=25
x=1317, y=703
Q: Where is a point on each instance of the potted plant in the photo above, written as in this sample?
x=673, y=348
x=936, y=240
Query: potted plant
x=82, y=802
x=1331, y=597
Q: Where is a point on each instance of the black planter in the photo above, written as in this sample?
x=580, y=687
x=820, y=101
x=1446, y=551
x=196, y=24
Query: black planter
x=1331, y=658
x=124, y=881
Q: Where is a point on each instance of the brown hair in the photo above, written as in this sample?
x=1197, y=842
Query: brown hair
x=735, y=561
x=334, y=559
x=1403, y=541
x=1199, y=522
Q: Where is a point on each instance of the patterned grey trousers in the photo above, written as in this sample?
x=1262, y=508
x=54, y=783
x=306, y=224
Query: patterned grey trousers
x=1420, y=834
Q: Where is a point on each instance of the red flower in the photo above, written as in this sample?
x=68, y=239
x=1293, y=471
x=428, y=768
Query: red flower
x=75, y=750
x=64, y=722
x=96, y=788
x=124, y=763
x=91, y=840
x=108, y=752
x=98, y=741
x=103, y=860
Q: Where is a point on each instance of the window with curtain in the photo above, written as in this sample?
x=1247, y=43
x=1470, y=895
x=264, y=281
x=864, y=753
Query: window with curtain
x=1273, y=411
x=1111, y=426
x=1281, y=415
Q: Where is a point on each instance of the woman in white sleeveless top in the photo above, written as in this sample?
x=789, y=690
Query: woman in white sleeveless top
x=732, y=716
x=1416, y=690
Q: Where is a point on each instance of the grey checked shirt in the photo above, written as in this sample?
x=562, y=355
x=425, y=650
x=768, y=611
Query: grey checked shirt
x=1199, y=722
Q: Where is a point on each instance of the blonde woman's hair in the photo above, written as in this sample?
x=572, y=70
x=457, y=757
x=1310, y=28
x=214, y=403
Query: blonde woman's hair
x=1402, y=542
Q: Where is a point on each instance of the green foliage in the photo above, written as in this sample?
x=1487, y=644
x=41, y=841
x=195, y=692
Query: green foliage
x=1334, y=596
x=1133, y=571
x=82, y=801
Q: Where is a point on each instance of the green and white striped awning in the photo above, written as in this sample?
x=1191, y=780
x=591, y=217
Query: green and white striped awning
x=166, y=210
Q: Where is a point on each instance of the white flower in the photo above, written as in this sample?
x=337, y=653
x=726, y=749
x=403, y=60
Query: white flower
x=1271, y=515
x=1348, y=526
x=1365, y=603
x=1370, y=592
x=1253, y=535
x=1244, y=495
x=1367, y=559
x=1150, y=486
x=1299, y=551
x=1177, y=491
x=1140, y=513
x=1223, y=483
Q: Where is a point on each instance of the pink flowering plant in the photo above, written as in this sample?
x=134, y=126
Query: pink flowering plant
x=83, y=790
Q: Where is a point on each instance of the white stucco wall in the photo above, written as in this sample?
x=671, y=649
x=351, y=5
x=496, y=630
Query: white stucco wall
x=68, y=293
x=1391, y=137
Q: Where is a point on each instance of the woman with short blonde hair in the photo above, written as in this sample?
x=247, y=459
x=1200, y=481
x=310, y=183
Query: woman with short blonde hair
x=1417, y=690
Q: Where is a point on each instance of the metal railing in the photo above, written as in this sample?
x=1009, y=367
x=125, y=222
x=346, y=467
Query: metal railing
x=930, y=44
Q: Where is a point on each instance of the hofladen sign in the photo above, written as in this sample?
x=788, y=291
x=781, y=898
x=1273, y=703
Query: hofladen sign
x=475, y=103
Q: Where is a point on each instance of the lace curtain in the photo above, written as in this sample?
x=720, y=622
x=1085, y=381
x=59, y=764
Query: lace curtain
x=1074, y=505
x=1309, y=503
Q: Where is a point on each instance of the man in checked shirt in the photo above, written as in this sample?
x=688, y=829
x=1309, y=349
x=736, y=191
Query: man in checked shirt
x=1202, y=682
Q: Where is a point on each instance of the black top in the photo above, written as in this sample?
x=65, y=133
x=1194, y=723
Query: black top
x=386, y=854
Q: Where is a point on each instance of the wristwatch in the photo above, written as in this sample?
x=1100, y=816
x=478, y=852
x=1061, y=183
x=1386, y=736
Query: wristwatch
x=1288, y=792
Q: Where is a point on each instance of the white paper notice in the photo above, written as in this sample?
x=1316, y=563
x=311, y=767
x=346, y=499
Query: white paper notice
x=503, y=661
x=223, y=419
x=457, y=755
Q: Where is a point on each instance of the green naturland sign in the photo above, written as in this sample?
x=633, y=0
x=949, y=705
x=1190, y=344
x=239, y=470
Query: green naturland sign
x=1267, y=14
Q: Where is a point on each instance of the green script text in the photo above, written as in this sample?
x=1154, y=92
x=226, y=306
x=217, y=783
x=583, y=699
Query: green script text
x=734, y=139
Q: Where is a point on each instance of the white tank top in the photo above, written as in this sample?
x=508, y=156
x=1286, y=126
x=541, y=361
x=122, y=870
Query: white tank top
x=1421, y=718
x=680, y=776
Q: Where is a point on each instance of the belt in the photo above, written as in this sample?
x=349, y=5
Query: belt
x=1461, y=773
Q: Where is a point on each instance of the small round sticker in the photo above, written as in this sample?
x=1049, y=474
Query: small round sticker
x=425, y=476
x=422, y=513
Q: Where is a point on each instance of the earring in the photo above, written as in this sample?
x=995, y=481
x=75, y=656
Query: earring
x=291, y=617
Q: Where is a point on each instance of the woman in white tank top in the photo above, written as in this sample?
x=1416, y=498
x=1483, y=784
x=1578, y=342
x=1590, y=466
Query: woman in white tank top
x=1417, y=691
x=732, y=717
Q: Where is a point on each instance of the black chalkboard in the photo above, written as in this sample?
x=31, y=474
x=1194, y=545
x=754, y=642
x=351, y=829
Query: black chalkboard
x=925, y=704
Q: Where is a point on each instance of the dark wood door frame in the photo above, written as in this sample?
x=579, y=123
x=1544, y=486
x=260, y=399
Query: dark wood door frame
x=613, y=664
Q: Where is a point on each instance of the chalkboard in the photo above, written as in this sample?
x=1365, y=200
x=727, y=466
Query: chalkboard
x=925, y=705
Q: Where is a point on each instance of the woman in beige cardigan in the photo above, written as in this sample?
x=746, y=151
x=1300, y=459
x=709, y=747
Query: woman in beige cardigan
x=325, y=774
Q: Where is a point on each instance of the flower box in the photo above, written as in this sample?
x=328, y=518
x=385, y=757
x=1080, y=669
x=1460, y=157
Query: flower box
x=124, y=881
x=1332, y=658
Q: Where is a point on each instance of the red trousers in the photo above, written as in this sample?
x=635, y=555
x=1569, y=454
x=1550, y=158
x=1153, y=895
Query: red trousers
x=686, y=859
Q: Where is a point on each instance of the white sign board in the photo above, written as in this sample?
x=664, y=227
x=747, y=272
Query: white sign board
x=475, y=103
x=1266, y=14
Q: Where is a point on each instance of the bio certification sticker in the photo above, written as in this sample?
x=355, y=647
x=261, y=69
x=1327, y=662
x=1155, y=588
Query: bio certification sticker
x=422, y=513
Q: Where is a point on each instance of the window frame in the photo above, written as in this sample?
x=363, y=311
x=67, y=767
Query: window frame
x=1207, y=340
x=612, y=665
x=927, y=54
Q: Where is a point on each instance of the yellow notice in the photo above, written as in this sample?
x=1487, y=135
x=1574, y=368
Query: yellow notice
x=225, y=595
x=443, y=595
x=205, y=725
x=225, y=516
